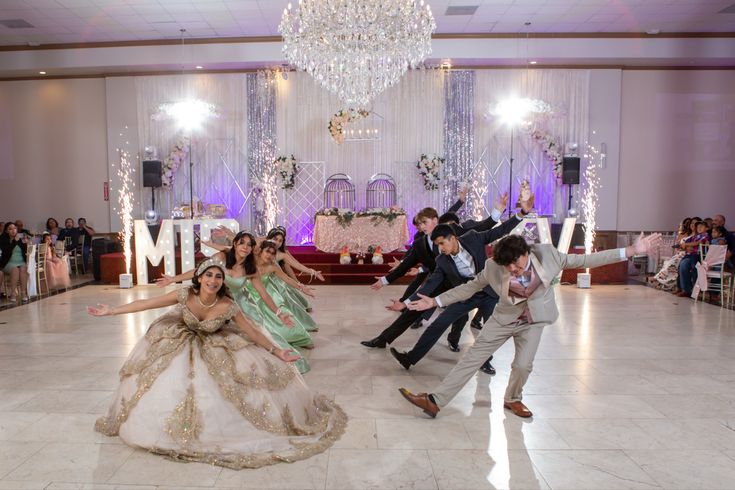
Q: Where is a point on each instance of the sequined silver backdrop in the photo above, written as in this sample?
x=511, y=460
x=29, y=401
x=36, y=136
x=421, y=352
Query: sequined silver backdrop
x=263, y=197
x=459, y=131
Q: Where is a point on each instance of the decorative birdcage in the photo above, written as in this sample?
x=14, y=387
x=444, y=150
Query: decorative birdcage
x=339, y=192
x=380, y=191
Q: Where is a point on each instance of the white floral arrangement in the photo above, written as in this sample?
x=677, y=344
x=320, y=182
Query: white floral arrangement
x=173, y=162
x=377, y=215
x=340, y=119
x=551, y=148
x=287, y=167
x=429, y=166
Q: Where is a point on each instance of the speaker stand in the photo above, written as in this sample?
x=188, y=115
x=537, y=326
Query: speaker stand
x=153, y=199
x=569, y=202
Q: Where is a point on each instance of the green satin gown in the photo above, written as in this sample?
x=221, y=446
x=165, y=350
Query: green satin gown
x=296, y=302
x=247, y=298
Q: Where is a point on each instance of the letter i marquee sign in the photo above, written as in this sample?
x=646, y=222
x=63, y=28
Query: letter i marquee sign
x=164, y=248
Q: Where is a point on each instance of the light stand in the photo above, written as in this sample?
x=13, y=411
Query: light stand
x=191, y=182
x=569, y=202
x=510, y=178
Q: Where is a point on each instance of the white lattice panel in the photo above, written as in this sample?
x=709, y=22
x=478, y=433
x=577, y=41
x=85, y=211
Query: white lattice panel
x=302, y=202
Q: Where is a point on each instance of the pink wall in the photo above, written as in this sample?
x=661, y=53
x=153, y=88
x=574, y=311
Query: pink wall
x=677, y=148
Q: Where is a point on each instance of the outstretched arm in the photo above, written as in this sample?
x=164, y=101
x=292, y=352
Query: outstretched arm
x=268, y=300
x=167, y=299
x=290, y=260
x=256, y=336
x=296, y=284
x=642, y=246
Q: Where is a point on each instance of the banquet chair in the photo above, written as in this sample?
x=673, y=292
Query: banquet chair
x=73, y=263
x=59, y=247
x=716, y=279
x=79, y=254
x=665, y=250
x=41, y=270
x=639, y=261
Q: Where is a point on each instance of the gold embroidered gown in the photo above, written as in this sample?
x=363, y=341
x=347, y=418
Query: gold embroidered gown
x=202, y=391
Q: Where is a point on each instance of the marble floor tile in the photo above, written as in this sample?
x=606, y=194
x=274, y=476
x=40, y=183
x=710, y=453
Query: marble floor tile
x=604, y=434
x=687, y=469
x=13, y=454
x=300, y=475
x=66, y=462
x=142, y=467
x=379, y=469
x=578, y=469
x=360, y=434
x=470, y=470
x=422, y=434
x=613, y=390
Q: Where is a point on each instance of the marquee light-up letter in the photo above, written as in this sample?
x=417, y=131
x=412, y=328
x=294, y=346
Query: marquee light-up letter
x=146, y=250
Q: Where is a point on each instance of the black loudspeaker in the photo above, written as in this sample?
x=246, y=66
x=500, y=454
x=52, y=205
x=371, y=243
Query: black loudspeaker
x=152, y=173
x=570, y=170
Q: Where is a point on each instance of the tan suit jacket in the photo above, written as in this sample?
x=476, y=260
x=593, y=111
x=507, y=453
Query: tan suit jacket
x=547, y=261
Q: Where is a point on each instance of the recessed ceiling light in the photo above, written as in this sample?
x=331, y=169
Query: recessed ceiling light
x=199, y=67
x=41, y=72
x=532, y=62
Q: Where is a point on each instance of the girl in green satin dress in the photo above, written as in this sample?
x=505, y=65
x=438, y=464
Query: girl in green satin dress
x=248, y=291
x=270, y=273
x=288, y=263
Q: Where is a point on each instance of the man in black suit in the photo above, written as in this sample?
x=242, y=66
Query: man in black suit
x=407, y=317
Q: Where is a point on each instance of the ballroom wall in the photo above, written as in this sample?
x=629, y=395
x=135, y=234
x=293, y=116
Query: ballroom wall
x=53, y=151
x=678, y=147
x=673, y=131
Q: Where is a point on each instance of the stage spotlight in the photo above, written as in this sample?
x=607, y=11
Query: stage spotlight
x=151, y=217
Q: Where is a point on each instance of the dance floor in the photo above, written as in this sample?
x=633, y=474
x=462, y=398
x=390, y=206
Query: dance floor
x=632, y=388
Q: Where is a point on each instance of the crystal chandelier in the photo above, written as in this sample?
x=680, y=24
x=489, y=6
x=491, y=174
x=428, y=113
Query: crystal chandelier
x=357, y=48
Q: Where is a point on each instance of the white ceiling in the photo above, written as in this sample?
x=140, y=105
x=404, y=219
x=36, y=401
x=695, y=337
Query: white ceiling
x=72, y=21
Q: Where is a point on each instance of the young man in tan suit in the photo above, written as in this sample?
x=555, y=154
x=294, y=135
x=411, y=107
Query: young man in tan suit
x=522, y=275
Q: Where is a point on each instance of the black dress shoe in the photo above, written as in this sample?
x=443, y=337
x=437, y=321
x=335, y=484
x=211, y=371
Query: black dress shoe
x=453, y=346
x=476, y=324
x=417, y=324
x=487, y=368
x=376, y=342
x=402, y=358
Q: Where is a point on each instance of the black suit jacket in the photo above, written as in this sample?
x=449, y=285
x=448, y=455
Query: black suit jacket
x=447, y=276
x=419, y=253
x=6, y=249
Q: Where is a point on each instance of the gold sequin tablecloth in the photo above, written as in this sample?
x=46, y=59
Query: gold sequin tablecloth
x=359, y=234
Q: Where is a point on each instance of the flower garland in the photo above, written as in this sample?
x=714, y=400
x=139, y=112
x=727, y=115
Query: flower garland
x=173, y=162
x=287, y=167
x=377, y=216
x=551, y=148
x=429, y=169
x=339, y=121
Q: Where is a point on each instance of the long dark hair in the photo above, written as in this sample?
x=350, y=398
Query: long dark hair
x=196, y=284
x=278, y=230
x=231, y=260
x=48, y=226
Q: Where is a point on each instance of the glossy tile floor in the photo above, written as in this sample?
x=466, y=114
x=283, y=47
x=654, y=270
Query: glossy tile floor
x=632, y=388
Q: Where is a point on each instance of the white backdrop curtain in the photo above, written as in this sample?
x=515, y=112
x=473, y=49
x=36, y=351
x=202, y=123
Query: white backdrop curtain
x=219, y=149
x=409, y=121
x=568, y=92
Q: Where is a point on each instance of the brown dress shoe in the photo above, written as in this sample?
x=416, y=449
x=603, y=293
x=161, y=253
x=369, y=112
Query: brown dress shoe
x=422, y=401
x=518, y=409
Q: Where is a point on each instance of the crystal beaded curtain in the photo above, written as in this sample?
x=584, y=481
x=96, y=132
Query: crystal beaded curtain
x=459, y=131
x=261, y=99
x=357, y=48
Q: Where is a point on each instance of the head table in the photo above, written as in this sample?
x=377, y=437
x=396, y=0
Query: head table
x=360, y=233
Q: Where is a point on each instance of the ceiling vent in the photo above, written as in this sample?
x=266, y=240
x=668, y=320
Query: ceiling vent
x=728, y=10
x=15, y=23
x=461, y=10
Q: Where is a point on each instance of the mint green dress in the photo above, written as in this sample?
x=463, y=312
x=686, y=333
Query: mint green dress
x=247, y=298
x=297, y=335
x=296, y=302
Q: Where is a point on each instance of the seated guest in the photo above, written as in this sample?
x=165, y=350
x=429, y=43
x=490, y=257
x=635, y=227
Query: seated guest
x=86, y=231
x=52, y=227
x=21, y=228
x=668, y=277
x=688, y=264
x=718, y=236
x=69, y=235
x=57, y=271
x=13, y=247
x=719, y=220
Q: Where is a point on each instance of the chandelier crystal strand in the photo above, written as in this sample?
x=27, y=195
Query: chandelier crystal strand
x=357, y=48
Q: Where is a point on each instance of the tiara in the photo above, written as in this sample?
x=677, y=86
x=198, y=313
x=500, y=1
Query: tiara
x=211, y=262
